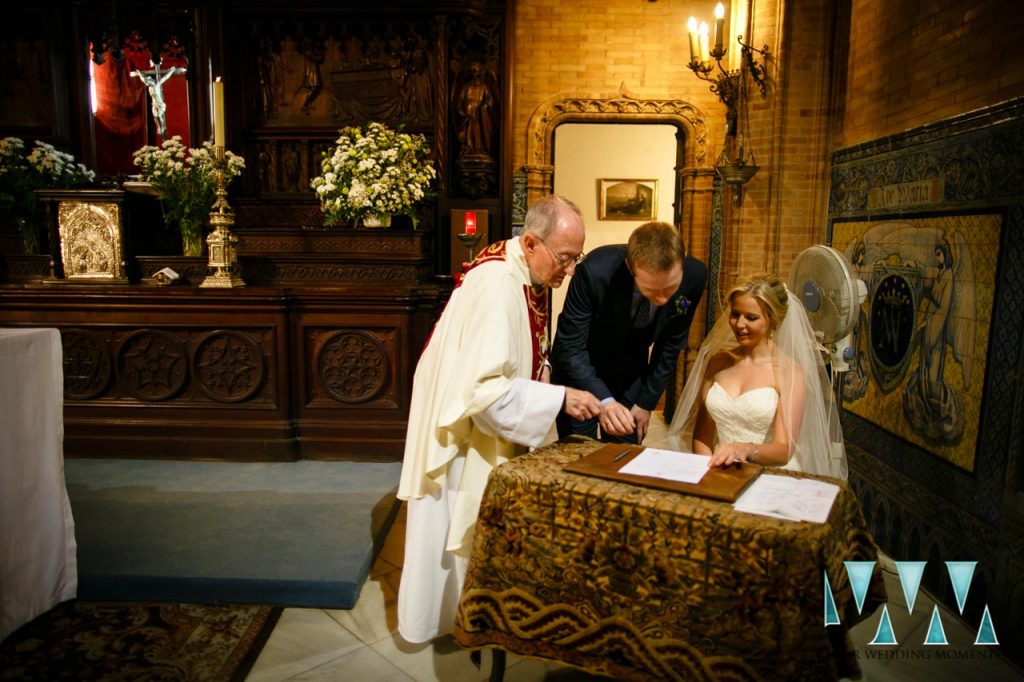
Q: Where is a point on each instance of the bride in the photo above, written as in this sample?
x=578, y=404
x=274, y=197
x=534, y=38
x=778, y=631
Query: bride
x=758, y=391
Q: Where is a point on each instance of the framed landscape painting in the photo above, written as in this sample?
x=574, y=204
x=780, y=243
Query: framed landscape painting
x=622, y=199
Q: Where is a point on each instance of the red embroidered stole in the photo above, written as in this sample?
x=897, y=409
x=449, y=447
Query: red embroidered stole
x=536, y=304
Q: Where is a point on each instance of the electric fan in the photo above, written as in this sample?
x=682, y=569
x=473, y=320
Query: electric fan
x=824, y=281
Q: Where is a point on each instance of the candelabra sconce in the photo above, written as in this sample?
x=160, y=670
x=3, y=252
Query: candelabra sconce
x=736, y=164
x=222, y=243
x=727, y=84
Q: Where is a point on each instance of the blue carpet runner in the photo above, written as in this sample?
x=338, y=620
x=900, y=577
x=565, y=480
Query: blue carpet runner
x=289, y=533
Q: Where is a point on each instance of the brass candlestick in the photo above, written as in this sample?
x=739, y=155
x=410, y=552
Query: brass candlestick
x=470, y=240
x=222, y=242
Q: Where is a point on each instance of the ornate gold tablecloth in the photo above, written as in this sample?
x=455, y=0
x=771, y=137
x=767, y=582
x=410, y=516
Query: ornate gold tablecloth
x=638, y=583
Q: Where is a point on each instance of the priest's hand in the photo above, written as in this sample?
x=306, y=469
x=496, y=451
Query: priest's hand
x=616, y=419
x=581, y=404
x=643, y=421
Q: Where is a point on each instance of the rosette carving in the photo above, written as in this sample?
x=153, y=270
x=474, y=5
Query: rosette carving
x=152, y=365
x=228, y=366
x=87, y=364
x=352, y=366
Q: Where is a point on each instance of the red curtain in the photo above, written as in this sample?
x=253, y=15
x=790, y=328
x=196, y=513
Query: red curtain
x=122, y=122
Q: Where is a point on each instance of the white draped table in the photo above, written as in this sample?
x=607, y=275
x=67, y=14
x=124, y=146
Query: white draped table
x=38, y=568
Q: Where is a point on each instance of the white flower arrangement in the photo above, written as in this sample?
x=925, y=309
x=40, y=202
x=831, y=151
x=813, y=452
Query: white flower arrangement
x=45, y=167
x=185, y=179
x=373, y=171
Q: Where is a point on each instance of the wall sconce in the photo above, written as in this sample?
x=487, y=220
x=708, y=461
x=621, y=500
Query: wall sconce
x=736, y=164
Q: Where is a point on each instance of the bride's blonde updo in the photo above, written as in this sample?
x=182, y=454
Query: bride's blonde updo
x=768, y=290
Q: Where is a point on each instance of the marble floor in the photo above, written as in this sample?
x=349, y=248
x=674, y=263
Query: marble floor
x=362, y=644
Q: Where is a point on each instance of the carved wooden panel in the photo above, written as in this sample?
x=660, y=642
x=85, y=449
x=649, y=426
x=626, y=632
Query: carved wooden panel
x=353, y=366
x=88, y=365
x=151, y=365
x=159, y=364
x=248, y=374
x=229, y=366
x=342, y=69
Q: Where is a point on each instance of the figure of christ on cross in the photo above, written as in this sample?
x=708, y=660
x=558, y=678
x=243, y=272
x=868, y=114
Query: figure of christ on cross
x=154, y=80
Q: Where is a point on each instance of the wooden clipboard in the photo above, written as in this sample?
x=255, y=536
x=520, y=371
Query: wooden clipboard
x=725, y=483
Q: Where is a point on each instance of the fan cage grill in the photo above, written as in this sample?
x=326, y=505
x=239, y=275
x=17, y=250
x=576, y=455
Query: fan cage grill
x=828, y=270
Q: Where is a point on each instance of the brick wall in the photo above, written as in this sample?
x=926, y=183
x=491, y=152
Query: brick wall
x=912, y=62
x=594, y=47
x=907, y=63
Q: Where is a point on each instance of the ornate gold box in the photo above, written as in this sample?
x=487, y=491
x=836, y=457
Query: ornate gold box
x=92, y=234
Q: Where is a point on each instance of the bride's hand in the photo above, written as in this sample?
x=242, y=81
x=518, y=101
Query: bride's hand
x=732, y=453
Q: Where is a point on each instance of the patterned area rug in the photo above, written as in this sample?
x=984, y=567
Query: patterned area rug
x=83, y=640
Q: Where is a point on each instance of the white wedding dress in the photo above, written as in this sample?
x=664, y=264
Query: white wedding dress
x=747, y=418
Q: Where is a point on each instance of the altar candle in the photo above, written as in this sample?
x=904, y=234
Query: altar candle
x=218, y=112
x=691, y=26
x=719, y=26
x=469, y=222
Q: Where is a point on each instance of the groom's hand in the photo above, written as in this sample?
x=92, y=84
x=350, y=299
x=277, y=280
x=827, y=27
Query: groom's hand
x=616, y=419
x=642, y=418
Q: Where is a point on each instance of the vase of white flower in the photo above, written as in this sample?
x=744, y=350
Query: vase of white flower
x=376, y=220
x=373, y=171
x=21, y=176
x=184, y=179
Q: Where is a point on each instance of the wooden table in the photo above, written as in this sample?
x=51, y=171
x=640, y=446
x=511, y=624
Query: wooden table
x=638, y=583
x=38, y=566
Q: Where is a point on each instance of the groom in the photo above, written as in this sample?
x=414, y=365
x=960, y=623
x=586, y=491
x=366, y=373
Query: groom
x=622, y=300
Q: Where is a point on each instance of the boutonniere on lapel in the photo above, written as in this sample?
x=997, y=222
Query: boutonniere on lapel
x=678, y=305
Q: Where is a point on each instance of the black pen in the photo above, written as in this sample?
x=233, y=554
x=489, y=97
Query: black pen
x=619, y=456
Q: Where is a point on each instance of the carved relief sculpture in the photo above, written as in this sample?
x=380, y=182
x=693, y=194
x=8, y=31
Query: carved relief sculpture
x=269, y=79
x=313, y=53
x=476, y=100
x=91, y=241
x=475, y=105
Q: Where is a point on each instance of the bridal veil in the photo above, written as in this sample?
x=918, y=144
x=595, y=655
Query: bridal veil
x=819, y=445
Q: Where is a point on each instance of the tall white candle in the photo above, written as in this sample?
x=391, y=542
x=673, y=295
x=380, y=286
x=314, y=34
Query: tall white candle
x=719, y=26
x=218, y=112
x=691, y=26
x=704, y=55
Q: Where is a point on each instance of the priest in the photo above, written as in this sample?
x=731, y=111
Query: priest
x=481, y=395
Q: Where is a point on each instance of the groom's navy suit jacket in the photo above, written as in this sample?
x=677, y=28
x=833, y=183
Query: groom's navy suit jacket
x=596, y=345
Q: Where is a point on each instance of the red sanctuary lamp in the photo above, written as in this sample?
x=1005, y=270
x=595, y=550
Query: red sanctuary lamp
x=469, y=236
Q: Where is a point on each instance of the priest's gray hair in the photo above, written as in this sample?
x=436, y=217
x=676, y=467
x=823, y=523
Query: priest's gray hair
x=542, y=218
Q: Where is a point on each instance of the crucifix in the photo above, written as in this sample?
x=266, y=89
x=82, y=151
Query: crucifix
x=154, y=80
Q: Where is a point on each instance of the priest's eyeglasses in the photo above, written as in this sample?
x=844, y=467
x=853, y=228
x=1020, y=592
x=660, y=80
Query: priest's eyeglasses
x=563, y=260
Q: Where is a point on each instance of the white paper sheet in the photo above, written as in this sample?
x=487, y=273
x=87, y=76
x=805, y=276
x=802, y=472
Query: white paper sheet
x=685, y=467
x=785, y=497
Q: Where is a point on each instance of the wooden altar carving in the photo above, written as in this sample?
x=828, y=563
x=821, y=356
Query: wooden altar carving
x=314, y=358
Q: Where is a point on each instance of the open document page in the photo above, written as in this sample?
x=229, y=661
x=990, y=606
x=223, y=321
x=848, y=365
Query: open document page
x=786, y=497
x=673, y=466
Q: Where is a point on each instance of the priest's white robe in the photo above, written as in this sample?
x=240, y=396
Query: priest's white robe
x=474, y=406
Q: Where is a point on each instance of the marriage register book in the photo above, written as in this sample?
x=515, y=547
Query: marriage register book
x=719, y=483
